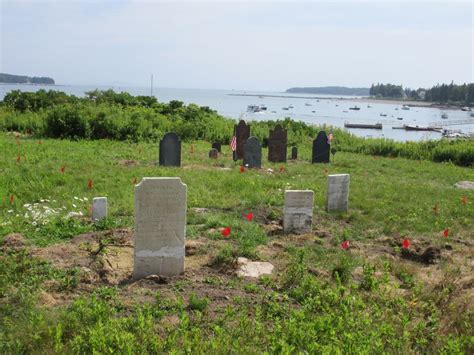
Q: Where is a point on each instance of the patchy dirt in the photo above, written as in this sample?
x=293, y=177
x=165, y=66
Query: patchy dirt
x=128, y=163
x=13, y=241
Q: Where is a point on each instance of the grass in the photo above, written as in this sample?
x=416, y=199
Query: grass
x=322, y=299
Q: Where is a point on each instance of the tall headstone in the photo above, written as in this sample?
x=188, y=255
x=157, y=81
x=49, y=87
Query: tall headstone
x=337, y=199
x=217, y=146
x=294, y=153
x=298, y=211
x=321, y=148
x=160, y=227
x=242, y=133
x=253, y=153
x=277, y=141
x=213, y=153
x=99, y=208
x=170, y=150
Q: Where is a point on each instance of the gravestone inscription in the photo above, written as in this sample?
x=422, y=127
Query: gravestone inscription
x=253, y=153
x=170, y=150
x=160, y=227
x=277, y=141
x=321, y=148
x=337, y=199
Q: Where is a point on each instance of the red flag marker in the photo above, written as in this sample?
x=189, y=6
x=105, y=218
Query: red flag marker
x=435, y=209
x=464, y=200
x=242, y=169
x=406, y=243
x=446, y=232
x=62, y=169
x=282, y=169
x=18, y=158
x=90, y=184
x=225, y=232
x=12, y=199
x=249, y=216
x=345, y=245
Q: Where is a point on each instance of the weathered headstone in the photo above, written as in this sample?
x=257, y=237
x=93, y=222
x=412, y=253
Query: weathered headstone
x=170, y=150
x=253, y=153
x=321, y=148
x=242, y=133
x=217, y=146
x=99, y=208
x=298, y=211
x=338, y=193
x=277, y=141
x=213, y=153
x=294, y=153
x=160, y=227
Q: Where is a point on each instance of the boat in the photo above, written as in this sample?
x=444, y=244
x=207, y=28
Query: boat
x=307, y=104
x=363, y=125
x=465, y=108
x=256, y=108
x=396, y=108
x=421, y=128
x=400, y=118
x=285, y=108
x=354, y=108
x=383, y=115
x=444, y=115
x=313, y=111
x=291, y=106
x=368, y=106
x=405, y=107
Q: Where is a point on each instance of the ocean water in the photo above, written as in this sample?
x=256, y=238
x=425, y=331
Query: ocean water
x=332, y=111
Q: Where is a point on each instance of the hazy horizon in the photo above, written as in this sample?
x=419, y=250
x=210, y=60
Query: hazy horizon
x=263, y=45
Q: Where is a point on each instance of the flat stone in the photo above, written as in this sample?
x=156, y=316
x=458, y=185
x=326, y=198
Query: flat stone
x=466, y=185
x=99, y=208
x=160, y=227
x=298, y=211
x=337, y=198
x=253, y=269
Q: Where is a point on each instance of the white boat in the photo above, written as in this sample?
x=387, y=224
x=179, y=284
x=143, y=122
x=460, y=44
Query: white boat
x=256, y=108
x=405, y=107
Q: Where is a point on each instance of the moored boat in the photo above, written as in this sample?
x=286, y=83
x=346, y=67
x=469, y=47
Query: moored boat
x=363, y=125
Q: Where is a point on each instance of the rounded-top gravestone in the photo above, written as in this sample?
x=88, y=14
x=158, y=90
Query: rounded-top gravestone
x=321, y=148
x=170, y=150
x=277, y=141
x=213, y=154
x=253, y=153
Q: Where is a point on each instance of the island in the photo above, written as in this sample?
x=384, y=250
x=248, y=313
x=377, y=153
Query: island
x=330, y=90
x=23, y=79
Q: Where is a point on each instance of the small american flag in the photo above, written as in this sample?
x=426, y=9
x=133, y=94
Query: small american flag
x=233, y=143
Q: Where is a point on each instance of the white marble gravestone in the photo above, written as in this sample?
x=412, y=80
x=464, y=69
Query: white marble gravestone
x=160, y=227
x=298, y=211
x=338, y=193
x=99, y=208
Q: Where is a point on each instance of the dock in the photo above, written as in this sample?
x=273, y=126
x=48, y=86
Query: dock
x=363, y=125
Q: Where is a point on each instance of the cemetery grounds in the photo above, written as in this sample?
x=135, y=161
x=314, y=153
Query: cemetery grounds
x=65, y=283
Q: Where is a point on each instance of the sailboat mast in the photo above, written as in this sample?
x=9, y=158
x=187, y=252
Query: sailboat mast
x=151, y=86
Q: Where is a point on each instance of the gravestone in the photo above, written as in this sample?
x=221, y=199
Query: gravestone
x=277, y=141
x=253, y=153
x=99, y=208
x=242, y=133
x=160, y=227
x=298, y=211
x=217, y=146
x=213, y=153
x=337, y=198
x=170, y=150
x=294, y=153
x=321, y=148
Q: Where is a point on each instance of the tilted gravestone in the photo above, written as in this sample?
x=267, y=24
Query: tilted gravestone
x=170, y=150
x=217, y=146
x=337, y=198
x=242, y=133
x=160, y=227
x=253, y=153
x=99, y=208
x=294, y=153
x=277, y=141
x=213, y=153
x=321, y=148
x=298, y=211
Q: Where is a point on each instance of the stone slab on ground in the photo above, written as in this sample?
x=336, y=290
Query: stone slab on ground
x=255, y=269
x=467, y=185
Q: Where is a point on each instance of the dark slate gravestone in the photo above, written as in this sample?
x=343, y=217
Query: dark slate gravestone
x=216, y=146
x=321, y=148
x=253, y=153
x=170, y=150
x=213, y=153
x=277, y=141
x=294, y=153
x=242, y=133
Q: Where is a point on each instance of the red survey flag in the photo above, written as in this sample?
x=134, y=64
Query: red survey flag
x=464, y=200
x=90, y=184
x=406, y=243
x=446, y=233
x=435, y=208
x=62, y=169
x=12, y=199
x=282, y=169
x=242, y=169
x=345, y=245
x=249, y=216
x=225, y=232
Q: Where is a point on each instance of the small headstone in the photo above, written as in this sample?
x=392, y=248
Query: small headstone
x=217, y=146
x=321, y=148
x=170, y=150
x=253, y=153
x=294, y=153
x=160, y=227
x=298, y=211
x=242, y=133
x=99, y=208
x=277, y=141
x=213, y=153
x=338, y=193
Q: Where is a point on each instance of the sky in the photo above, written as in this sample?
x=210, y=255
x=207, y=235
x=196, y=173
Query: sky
x=243, y=45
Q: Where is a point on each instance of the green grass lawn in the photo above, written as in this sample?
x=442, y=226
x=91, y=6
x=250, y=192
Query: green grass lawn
x=321, y=299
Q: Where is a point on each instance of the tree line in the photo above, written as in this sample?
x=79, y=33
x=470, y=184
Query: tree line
x=23, y=79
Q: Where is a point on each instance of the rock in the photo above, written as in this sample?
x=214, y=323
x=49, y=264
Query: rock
x=466, y=185
x=192, y=247
x=157, y=279
x=253, y=269
x=13, y=241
